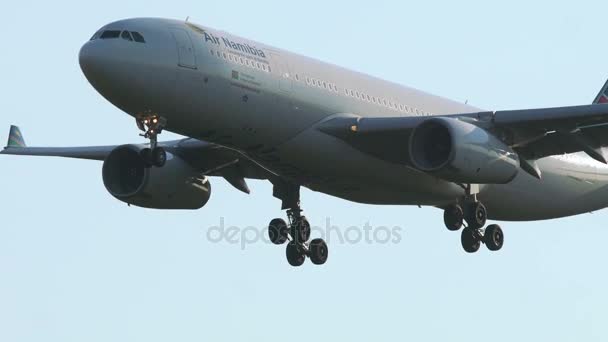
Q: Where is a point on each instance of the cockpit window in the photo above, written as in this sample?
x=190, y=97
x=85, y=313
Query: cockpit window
x=138, y=37
x=110, y=34
x=113, y=34
x=96, y=35
x=126, y=36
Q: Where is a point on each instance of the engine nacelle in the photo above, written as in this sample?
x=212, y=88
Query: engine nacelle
x=176, y=185
x=458, y=151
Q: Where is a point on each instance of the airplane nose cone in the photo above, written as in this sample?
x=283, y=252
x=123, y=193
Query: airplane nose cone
x=90, y=61
x=131, y=75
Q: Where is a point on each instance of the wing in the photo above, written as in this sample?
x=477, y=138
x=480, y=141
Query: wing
x=210, y=159
x=532, y=133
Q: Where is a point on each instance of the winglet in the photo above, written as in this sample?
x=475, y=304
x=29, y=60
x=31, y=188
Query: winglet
x=15, y=138
x=602, y=97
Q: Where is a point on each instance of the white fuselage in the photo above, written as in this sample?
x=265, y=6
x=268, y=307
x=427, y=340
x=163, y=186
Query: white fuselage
x=268, y=103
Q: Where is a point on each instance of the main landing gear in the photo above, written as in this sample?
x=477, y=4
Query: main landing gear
x=473, y=215
x=296, y=232
x=152, y=126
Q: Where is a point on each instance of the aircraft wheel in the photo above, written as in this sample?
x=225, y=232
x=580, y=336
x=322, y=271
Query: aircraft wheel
x=159, y=157
x=300, y=230
x=494, y=237
x=476, y=215
x=146, y=156
x=318, y=251
x=453, y=216
x=277, y=231
x=470, y=240
x=294, y=254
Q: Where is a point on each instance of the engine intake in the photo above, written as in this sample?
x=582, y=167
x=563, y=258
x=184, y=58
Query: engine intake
x=176, y=185
x=458, y=151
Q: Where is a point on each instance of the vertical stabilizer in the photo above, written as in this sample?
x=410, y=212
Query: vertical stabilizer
x=602, y=97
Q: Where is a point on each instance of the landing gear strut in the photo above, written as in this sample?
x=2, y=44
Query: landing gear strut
x=296, y=230
x=475, y=215
x=152, y=126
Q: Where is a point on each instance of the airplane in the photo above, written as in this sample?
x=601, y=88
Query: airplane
x=252, y=111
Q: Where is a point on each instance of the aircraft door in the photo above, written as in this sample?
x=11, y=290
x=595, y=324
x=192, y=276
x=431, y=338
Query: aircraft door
x=285, y=79
x=185, y=49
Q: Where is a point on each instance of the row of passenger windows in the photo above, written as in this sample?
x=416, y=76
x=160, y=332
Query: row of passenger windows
x=329, y=86
x=384, y=102
x=114, y=34
x=318, y=83
x=227, y=56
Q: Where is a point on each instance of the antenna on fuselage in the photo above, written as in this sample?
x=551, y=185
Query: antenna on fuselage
x=187, y=18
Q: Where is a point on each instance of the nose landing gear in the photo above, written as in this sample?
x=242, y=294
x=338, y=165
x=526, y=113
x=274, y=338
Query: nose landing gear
x=152, y=126
x=475, y=215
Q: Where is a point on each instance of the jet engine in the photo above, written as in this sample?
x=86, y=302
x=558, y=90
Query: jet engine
x=176, y=185
x=458, y=151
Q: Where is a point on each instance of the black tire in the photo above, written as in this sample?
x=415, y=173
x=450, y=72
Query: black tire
x=159, y=157
x=146, y=156
x=453, y=217
x=318, y=251
x=301, y=230
x=470, y=240
x=477, y=215
x=295, y=257
x=494, y=237
x=277, y=231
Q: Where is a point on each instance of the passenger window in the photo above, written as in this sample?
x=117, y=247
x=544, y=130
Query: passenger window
x=224, y=54
x=138, y=37
x=126, y=36
x=110, y=34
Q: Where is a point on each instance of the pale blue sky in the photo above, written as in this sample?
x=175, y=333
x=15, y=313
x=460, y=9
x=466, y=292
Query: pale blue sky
x=77, y=265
